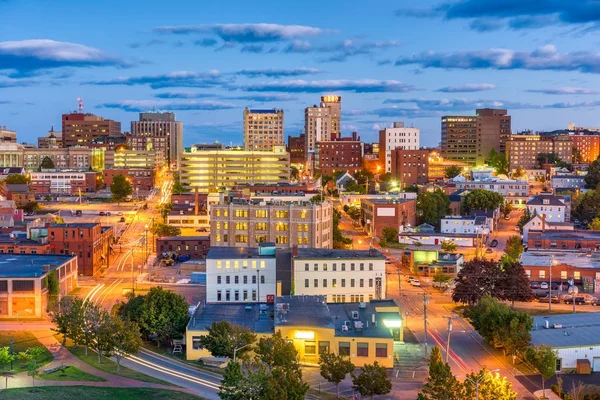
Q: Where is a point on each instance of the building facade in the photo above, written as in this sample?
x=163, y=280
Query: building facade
x=588, y=147
x=296, y=148
x=192, y=246
x=376, y=214
x=397, y=137
x=410, y=167
x=247, y=224
x=263, y=129
x=79, y=158
x=7, y=136
x=339, y=275
x=52, y=140
x=210, y=170
x=135, y=159
x=552, y=208
x=339, y=154
x=515, y=192
x=11, y=154
x=81, y=129
x=158, y=131
x=64, y=182
x=141, y=179
x=322, y=122
x=523, y=149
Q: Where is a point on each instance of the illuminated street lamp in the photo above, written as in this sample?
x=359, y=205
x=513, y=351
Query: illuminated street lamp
x=477, y=382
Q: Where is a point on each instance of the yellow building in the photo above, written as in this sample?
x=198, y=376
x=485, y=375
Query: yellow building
x=133, y=159
x=366, y=332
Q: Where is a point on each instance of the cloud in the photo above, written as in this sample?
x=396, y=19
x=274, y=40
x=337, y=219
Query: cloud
x=247, y=33
x=182, y=95
x=253, y=48
x=278, y=72
x=26, y=56
x=565, y=90
x=152, y=42
x=145, y=105
x=266, y=98
x=298, y=46
x=486, y=25
x=342, y=85
x=171, y=79
x=543, y=58
x=206, y=42
x=340, y=51
x=467, y=88
x=10, y=83
x=259, y=98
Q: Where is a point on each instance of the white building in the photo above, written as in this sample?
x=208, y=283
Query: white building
x=241, y=274
x=550, y=206
x=465, y=224
x=436, y=239
x=515, y=192
x=398, y=136
x=339, y=275
x=356, y=199
x=539, y=224
x=568, y=182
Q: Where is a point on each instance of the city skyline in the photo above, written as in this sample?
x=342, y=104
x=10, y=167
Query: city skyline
x=391, y=63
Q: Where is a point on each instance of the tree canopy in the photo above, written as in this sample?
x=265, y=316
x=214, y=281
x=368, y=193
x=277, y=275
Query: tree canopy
x=372, y=380
x=592, y=178
x=543, y=359
x=166, y=230
x=481, y=199
x=224, y=337
x=498, y=161
x=120, y=188
x=491, y=387
x=448, y=246
x=432, y=206
x=513, y=248
x=452, y=171
x=441, y=384
x=16, y=179
x=334, y=368
x=47, y=163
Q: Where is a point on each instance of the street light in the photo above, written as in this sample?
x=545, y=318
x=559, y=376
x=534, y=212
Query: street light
x=552, y=262
x=450, y=332
x=477, y=382
x=239, y=348
x=146, y=244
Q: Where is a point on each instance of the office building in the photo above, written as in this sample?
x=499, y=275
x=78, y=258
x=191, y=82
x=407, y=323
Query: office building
x=82, y=129
x=296, y=148
x=53, y=139
x=64, y=182
x=210, y=170
x=244, y=223
x=396, y=137
x=410, y=167
x=74, y=158
x=263, y=129
x=339, y=154
x=322, y=122
x=470, y=139
x=376, y=214
x=158, y=131
x=339, y=275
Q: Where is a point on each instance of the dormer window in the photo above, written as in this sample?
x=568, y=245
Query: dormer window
x=546, y=201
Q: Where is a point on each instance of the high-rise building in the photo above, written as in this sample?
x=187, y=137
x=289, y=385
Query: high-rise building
x=397, y=136
x=339, y=154
x=158, y=131
x=52, y=140
x=263, y=129
x=322, y=122
x=296, y=148
x=81, y=129
x=523, y=149
x=7, y=136
x=588, y=147
x=470, y=139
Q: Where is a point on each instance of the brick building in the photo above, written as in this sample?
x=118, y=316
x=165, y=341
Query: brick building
x=193, y=246
x=64, y=182
x=296, y=147
x=588, y=147
x=283, y=188
x=89, y=241
x=564, y=240
x=377, y=214
x=12, y=243
x=142, y=179
x=82, y=129
x=21, y=194
x=410, y=167
x=339, y=154
x=580, y=266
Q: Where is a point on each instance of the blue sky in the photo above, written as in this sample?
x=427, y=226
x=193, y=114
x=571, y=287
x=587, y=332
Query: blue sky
x=389, y=60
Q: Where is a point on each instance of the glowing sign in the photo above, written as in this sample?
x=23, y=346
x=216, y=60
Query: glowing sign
x=392, y=323
x=331, y=99
x=304, y=335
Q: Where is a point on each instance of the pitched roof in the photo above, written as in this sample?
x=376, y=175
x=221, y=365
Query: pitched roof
x=541, y=201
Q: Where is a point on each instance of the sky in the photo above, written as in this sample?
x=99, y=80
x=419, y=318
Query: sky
x=389, y=60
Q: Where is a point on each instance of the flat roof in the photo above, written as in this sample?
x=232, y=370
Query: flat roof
x=577, y=330
x=29, y=265
x=184, y=238
x=235, y=252
x=75, y=225
x=389, y=201
x=21, y=240
x=568, y=235
x=255, y=316
x=543, y=258
x=338, y=253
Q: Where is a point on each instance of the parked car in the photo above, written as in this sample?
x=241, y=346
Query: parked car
x=78, y=213
x=595, y=301
x=122, y=219
x=410, y=278
x=388, y=261
x=557, y=286
x=494, y=243
x=545, y=299
x=544, y=285
x=102, y=213
x=415, y=282
x=580, y=300
x=201, y=230
x=108, y=213
x=488, y=250
x=120, y=213
x=535, y=285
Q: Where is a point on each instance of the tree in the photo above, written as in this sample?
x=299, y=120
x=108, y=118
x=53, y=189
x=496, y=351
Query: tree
x=47, y=163
x=356, y=188
x=16, y=179
x=448, y=246
x=363, y=176
x=595, y=224
x=166, y=230
x=587, y=205
x=339, y=241
x=243, y=385
x=224, y=338
x=498, y=161
x=506, y=209
x=125, y=338
x=547, y=158
x=95, y=334
x=525, y=218
x=317, y=199
x=334, y=369
x=390, y=234
x=67, y=315
x=354, y=213
x=294, y=173
x=441, y=384
x=452, y=171
x=481, y=199
x=32, y=370
x=519, y=173
x=514, y=283
x=178, y=188
x=513, y=248
x=543, y=359
x=6, y=357
x=30, y=207
x=373, y=380
x=386, y=177
x=490, y=387
x=592, y=178
x=432, y=206
x=120, y=188
x=476, y=279
x=52, y=285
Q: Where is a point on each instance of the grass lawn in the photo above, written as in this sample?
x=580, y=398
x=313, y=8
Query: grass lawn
x=22, y=341
x=70, y=374
x=93, y=393
x=108, y=365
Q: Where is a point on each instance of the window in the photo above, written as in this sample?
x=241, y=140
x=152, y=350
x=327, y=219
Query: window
x=351, y=282
x=362, y=349
x=343, y=266
x=323, y=347
x=227, y=264
x=362, y=266
x=334, y=266
x=306, y=283
x=316, y=283
x=282, y=214
x=542, y=274
x=245, y=279
x=361, y=283
x=306, y=267
x=316, y=267
x=334, y=283
x=241, y=226
x=282, y=240
x=310, y=347
x=218, y=279
x=253, y=294
x=325, y=267
x=381, y=350
x=241, y=213
x=196, y=342
x=218, y=295
x=227, y=279
x=241, y=238
x=280, y=226
x=324, y=282
x=236, y=280
x=260, y=226
x=370, y=282
x=577, y=275
x=262, y=279
x=227, y=295
x=236, y=295
x=245, y=295
x=254, y=279
x=262, y=214
x=370, y=266
x=343, y=283
x=351, y=266
x=344, y=349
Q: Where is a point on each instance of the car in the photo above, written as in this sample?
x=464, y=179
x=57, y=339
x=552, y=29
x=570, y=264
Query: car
x=102, y=213
x=388, y=261
x=554, y=299
x=595, y=301
x=415, y=282
x=534, y=285
x=578, y=300
x=488, y=250
x=494, y=243
x=122, y=219
x=507, y=217
x=557, y=286
x=201, y=230
x=120, y=213
x=544, y=285
x=410, y=278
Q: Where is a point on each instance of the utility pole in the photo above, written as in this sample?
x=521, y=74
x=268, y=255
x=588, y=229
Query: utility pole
x=425, y=302
x=448, y=338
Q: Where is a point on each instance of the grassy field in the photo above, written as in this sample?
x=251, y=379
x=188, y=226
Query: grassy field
x=71, y=374
x=92, y=393
x=22, y=341
x=108, y=365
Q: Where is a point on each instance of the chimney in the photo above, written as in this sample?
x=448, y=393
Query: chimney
x=295, y=250
x=249, y=254
x=354, y=134
x=196, y=202
x=543, y=222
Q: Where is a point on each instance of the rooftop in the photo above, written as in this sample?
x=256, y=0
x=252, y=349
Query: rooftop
x=546, y=200
x=338, y=253
x=21, y=240
x=577, y=330
x=262, y=111
x=567, y=235
x=543, y=258
x=75, y=225
x=184, y=238
x=223, y=253
x=479, y=220
x=29, y=265
x=255, y=317
x=388, y=201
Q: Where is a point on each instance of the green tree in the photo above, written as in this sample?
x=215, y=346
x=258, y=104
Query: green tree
x=452, y=171
x=334, y=369
x=356, y=188
x=448, y=246
x=95, y=334
x=390, y=234
x=317, y=199
x=363, y=176
x=30, y=207
x=498, y=161
x=592, y=178
x=124, y=338
x=547, y=158
x=524, y=219
x=239, y=384
x=52, y=285
x=6, y=357
x=386, y=177
x=16, y=179
x=481, y=199
x=164, y=210
x=477, y=278
x=68, y=318
x=47, y=163
x=120, y=188
x=543, y=359
x=491, y=387
x=506, y=209
x=224, y=338
x=372, y=381
x=339, y=241
x=32, y=370
x=294, y=173
x=354, y=213
x=519, y=173
x=513, y=248
x=166, y=230
x=432, y=206
x=595, y=224
x=576, y=157
x=441, y=384
x=514, y=283
x=587, y=205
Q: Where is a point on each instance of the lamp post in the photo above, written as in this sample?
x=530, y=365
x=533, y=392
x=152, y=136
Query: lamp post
x=239, y=348
x=450, y=332
x=477, y=382
x=552, y=262
x=146, y=243
x=573, y=290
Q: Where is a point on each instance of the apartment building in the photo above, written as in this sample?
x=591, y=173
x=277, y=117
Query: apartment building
x=410, y=167
x=243, y=223
x=158, y=131
x=263, y=129
x=296, y=148
x=398, y=136
x=523, y=149
x=339, y=276
x=377, y=214
x=550, y=207
x=588, y=147
x=64, y=182
x=322, y=122
x=339, y=154
x=80, y=129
